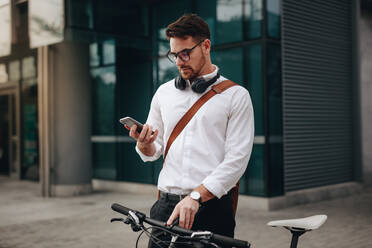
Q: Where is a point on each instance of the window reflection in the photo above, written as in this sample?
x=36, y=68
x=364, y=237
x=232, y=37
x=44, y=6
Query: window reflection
x=273, y=18
x=255, y=84
x=46, y=22
x=104, y=80
x=93, y=54
x=28, y=67
x=30, y=132
x=230, y=63
x=163, y=48
x=109, y=52
x=14, y=70
x=253, y=17
x=229, y=21
x=166, y=70
x=5, y=28
x=81, y=13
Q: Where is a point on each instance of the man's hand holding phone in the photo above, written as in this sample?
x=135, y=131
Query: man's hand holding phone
x=144, y=135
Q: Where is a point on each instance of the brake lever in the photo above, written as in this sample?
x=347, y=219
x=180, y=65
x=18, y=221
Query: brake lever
x=117, y=219
x=205, y=242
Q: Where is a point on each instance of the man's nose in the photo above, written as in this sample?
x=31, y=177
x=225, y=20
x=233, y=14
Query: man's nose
x=179, y=61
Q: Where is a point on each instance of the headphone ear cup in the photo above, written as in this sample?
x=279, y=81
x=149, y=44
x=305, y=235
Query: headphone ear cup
x=199, y=85
x=180, y=83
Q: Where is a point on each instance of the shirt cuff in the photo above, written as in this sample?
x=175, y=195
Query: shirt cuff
x=214, y=187
x=154, y=157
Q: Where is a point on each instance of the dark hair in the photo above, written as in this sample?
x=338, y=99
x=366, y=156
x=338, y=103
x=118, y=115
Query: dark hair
x=188, y=25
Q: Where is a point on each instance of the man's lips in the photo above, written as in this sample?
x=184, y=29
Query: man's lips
x=186, y=69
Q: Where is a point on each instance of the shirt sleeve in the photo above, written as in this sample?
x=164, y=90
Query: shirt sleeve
x=238, y=146
x=154, y=119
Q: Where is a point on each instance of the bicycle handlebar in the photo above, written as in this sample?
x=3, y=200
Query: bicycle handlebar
x=220, y=239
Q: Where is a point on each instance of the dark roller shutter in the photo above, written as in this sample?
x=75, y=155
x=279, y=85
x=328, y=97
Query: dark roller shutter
x=317, y=92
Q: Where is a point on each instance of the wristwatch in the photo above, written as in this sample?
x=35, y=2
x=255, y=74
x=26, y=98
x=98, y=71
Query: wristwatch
x=195, y=195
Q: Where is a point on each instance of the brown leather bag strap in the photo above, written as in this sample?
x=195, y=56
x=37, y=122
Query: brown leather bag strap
x=216, y=89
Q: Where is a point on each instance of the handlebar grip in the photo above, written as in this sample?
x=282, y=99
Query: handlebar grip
x=230, y=241
x=120, y=209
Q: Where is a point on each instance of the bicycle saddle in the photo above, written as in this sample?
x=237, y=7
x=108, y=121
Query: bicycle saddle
x=309, y=223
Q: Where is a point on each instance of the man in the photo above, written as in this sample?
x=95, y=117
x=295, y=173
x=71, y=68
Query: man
x=210, y=155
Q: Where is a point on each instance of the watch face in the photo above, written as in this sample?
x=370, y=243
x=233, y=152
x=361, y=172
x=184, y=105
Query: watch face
x=195, y=195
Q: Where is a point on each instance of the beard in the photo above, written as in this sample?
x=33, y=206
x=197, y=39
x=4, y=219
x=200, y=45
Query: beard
x=189, y=73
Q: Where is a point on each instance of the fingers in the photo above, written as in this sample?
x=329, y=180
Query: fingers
x=192, y=218
x=185, y=210
x=146, y=136
x=185, y=218
x=174, y=215
x=154, y=136
x=133, y=132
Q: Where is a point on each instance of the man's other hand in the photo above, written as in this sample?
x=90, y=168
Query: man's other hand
x=185, y=210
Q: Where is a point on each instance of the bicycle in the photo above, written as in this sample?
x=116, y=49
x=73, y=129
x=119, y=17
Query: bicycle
x=200, y=239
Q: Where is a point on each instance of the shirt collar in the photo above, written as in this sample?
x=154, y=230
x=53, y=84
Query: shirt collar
x=207, y=76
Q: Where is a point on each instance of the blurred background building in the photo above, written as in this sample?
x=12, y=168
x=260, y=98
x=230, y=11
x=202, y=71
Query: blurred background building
x=70, y=69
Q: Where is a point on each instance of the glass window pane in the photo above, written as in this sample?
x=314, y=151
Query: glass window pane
x=104, y=164
x=134, y=87
x=28, y=67
x=132, y=166
x=207, y=10
x=163, y=48
x=255, y=85
x=166, y=71
x=94, y=54
x=273, y=18
x=274, y=89
x=229, y=21
x=108, y=52
x=166, y=13
x=163, y=69
x=104, y=81
x=46, y=21
x=121, y=17
x=255, y=173
x=253, y=18
x=224, y=18
x=30, y=153
x=80, y=13
x=230, y=62
x=14, y=70
x=5, y=28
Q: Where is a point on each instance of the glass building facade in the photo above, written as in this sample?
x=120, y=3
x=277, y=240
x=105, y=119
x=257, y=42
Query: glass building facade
x=128, y=63
x=278, y=50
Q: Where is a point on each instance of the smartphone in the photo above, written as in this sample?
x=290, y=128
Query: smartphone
x=128, y=122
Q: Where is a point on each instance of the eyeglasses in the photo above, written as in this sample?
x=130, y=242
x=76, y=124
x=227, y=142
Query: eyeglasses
x=184, y=54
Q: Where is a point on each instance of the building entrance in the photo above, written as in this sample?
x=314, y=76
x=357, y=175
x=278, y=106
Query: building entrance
x=9, y=134
x=4, y=136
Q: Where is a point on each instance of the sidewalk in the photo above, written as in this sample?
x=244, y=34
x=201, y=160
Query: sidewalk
x=28, y=220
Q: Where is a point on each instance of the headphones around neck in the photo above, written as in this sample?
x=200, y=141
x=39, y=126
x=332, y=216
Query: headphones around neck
x=198, y=86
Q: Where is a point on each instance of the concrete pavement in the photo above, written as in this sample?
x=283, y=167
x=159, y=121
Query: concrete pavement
x=28, y=220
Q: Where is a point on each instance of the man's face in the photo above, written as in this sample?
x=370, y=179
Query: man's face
x=192, y=68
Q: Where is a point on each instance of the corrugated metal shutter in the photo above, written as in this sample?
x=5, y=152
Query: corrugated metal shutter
x=317, y=92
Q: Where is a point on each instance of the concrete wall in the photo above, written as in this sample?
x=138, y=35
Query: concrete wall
x=72, y=119
x=366, y=92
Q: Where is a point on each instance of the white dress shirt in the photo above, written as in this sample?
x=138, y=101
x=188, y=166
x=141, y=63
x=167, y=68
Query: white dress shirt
x=215, y=146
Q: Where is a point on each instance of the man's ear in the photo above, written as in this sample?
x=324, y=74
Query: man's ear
x=207, y=46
